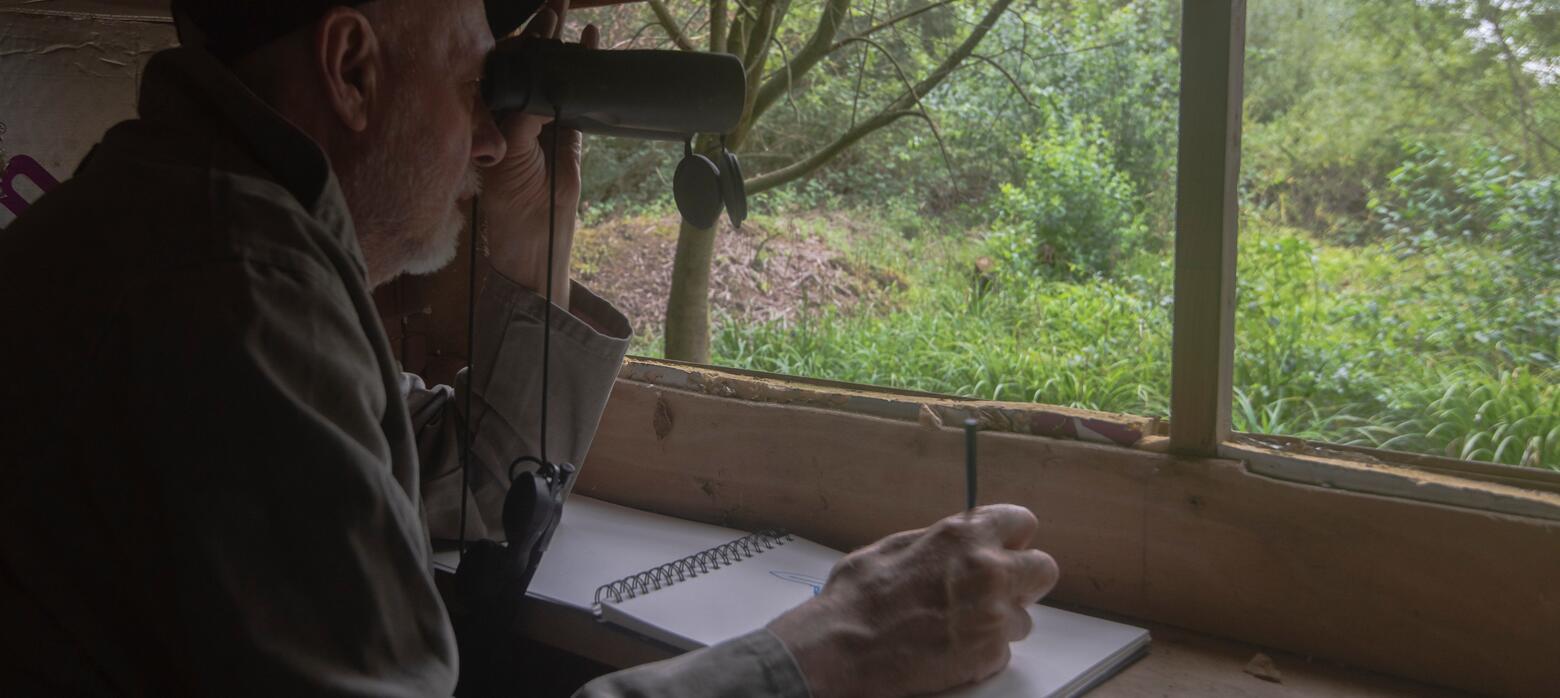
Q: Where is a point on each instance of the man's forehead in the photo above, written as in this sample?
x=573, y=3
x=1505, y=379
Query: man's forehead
x=473, y=23
x=454, y=30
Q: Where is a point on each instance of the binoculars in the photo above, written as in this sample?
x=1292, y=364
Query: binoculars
x=644, y=94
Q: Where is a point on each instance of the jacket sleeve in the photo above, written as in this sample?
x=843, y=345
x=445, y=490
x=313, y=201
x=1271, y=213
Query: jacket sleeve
x=298, y=562
x=506, y=397
x=588, y=345
x=755, y=665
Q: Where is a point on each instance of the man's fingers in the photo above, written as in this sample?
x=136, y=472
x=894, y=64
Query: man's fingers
x=1017, y=623
x=568, y=145
x=560, y=10
x=1014, y=525
x=590, y=37
x=1032, y=576
x=994, y=659
x=520, y=127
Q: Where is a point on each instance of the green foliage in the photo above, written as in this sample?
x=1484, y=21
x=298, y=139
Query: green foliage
x=1072, y=214
x=1081, y=345
x=1473, y=411
x=1483, y=197
x=1400, y=241
x=1046, y=62
x=1448, y=353
x=1335, y=86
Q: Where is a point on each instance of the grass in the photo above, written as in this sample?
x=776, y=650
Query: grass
x=1448, y=351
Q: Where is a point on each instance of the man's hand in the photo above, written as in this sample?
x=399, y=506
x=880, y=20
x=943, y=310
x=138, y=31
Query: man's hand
x=922, y=611
x=514, y=191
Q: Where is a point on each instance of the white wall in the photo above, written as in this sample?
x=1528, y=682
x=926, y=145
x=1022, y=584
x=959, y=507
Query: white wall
x=64, y=80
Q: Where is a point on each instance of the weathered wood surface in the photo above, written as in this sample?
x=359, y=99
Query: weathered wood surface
x=1213, y=40
x=1450, y=596
x=1182, y=663
x=903, y=405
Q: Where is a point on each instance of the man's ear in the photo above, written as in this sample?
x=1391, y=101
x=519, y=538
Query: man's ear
x=351, y=64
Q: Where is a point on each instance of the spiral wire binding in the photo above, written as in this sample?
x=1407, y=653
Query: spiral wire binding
x=702, y=562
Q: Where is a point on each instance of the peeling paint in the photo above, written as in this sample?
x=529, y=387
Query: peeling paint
x=51, y=48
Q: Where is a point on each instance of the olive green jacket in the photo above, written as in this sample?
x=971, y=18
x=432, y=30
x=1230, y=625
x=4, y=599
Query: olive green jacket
x=216, y=480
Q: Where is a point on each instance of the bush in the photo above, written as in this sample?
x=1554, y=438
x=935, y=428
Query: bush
x=1073, y=215
x=1485, y=198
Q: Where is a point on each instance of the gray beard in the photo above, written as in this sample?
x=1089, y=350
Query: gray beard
x=407, y=246
x=441, y=248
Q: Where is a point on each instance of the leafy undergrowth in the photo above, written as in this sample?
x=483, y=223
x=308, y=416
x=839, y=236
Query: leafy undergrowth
x=1447, y=351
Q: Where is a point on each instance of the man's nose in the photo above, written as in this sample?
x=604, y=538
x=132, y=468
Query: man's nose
x=487, y=145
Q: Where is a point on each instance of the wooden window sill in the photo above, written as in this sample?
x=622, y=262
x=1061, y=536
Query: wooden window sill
x=1399, y=582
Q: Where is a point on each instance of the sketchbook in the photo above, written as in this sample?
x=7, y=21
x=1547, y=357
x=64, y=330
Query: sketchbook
x=691, y=585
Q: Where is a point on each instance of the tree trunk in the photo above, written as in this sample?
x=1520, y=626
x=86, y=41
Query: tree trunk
x=688, y=307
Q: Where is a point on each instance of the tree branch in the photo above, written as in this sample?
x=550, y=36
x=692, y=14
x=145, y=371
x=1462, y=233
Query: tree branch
x=898, y=109
x=758, y=42
x=718, y=24
x=1011, y=80
x=750, y=115
x=919, y=105
x=633, y=39
x=746, y=10
x=736, y=37
x=958, y=55
x=861, y=71
x=813, y=51
x=828, y=153
x=669, y=23
x=893, y=20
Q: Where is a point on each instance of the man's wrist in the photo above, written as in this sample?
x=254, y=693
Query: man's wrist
x=522, y=258
x=826, y=646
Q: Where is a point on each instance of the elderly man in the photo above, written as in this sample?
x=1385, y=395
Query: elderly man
x=216, y=479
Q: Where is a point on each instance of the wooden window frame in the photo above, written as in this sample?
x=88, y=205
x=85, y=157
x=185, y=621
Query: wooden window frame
x=1203, y=327
x=1202, y=357
x=1416, y=566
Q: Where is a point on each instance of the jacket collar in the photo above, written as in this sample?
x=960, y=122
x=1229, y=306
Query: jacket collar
x=190, y=90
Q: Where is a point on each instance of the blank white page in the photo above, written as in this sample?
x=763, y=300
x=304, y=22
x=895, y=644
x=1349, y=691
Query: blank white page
x=1065, y=654
x=731, y=601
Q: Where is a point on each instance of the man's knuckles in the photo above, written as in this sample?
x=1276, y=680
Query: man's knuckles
x=959, y=530
x=980, y=573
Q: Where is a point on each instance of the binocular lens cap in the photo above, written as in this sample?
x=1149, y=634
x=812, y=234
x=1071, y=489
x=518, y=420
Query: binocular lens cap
x=697, y=189
x=733, y=189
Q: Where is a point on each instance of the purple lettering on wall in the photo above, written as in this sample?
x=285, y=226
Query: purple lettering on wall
x=23, y=166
